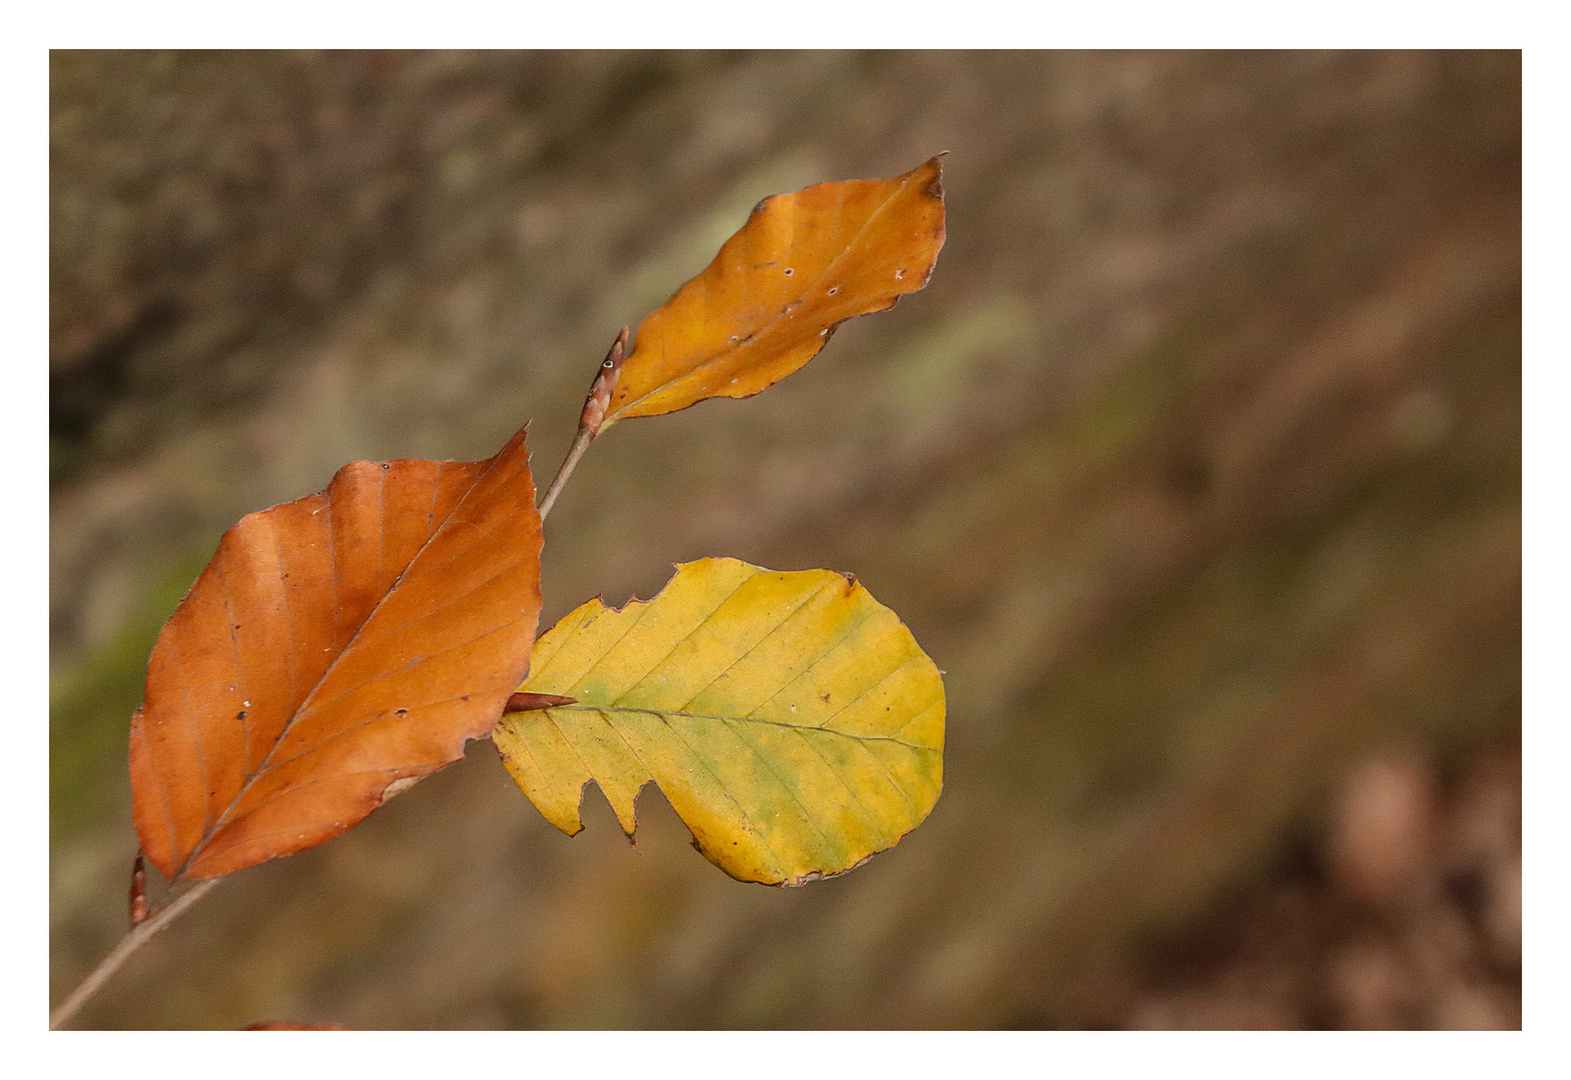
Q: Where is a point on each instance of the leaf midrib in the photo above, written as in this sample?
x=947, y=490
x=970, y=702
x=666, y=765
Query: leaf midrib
x=584, y=707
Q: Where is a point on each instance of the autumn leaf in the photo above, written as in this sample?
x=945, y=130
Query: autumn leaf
x=789, y=718
x=336, y=649
x=803, y=263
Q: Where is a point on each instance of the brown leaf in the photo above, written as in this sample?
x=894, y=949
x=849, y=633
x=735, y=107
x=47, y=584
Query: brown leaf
x=335, y=650
x=802, y=264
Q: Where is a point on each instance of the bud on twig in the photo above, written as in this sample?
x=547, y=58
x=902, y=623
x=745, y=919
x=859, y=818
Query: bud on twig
x=601, y=389
x=590, y=419
x=138, y=891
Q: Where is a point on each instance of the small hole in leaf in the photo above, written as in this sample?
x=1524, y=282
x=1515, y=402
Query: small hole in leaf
x=789, y=271
x=833, y=289
x=401, y=712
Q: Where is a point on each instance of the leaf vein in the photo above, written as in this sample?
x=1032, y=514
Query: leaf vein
x=771, y=632
x=679, y=642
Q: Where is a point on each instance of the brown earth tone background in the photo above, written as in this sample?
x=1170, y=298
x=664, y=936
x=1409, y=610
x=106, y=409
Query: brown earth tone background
x=1196, y=467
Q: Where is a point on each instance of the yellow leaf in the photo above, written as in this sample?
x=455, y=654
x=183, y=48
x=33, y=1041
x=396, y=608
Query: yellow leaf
x=789, y=718
x=802, y=264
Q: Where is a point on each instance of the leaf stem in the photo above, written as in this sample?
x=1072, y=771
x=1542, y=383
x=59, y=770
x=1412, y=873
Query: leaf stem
x=133, y=941
x=595, y=406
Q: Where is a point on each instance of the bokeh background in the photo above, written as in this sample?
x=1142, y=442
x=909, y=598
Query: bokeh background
x=1196, y=467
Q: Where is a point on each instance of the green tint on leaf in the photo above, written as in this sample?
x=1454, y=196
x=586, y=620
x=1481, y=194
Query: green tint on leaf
x=789, y=718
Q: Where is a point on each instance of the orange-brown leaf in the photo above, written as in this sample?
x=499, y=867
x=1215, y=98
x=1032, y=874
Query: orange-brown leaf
x=335, y=650
x=802, y=264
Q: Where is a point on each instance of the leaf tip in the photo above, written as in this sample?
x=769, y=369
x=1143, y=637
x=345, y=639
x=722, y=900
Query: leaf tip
x=851, y=581
x=935, y=186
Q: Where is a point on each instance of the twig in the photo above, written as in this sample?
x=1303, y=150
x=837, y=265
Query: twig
x=581, y=443
x=589, y=420
x=128, y=945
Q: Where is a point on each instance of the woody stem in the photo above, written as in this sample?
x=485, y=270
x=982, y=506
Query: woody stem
x=580, y=443
x=133, y=941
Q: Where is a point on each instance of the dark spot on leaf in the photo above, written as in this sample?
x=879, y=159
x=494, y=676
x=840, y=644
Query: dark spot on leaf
x=384, y=466
x=789, y=271
x=240, y=715
x=401, y=712
x=825, y=698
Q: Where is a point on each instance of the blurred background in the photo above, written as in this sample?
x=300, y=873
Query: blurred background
x=1196, y=467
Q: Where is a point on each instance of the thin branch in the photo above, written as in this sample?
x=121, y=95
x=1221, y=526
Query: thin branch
x=581, y=443
x=128, y=945
x=589, y=420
